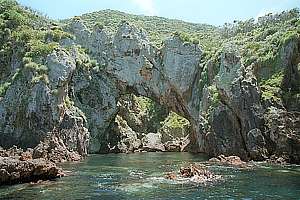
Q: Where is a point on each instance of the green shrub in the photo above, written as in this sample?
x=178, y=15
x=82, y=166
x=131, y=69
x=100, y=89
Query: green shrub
x=215, y=95
x=40, y=49
x=290, y=35
x=3, y=88
x=271, y=88
x=43, y=77
x=31, y=66
x=93, y=63
x=99, y=25
x=57, y=35
x=68, y=102
x=175, y=121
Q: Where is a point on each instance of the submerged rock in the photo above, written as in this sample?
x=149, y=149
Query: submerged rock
x=195, y=173
x=171, y=176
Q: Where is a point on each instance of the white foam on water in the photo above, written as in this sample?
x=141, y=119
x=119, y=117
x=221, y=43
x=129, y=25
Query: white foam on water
x=135, y=187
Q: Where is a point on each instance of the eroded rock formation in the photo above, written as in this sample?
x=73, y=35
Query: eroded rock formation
x=17, y=166
x=78, y=103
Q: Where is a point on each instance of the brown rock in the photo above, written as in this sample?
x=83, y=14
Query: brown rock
x=26, y=156
x=194, y=170
x=55, y=150
x=16, y=171
x=171, y=176
x=230, y=160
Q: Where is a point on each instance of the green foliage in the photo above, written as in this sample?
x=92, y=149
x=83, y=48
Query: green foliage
x=83, y=61
x=3, y=88
x=99, y=25
x=290, y=35
x=68, y=102
x=24, y=33
x=42, y=77
x=271, y=88
x=57, y=35
x=40, y=49
x=175, y=121
x=158, y=28
x=145, y=104
x=93, y=63
x=155, y=112
x=215, y=95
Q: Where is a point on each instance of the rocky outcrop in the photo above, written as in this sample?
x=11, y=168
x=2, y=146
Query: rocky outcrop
x=152, y=142
x=74, y=107
x=282, y=134
x=194, y=173
x=32, y=111
x=230, y=160
x=165, y=75
x=121, y=138
x=17, y=166
x=238, y=121
x=20, y=171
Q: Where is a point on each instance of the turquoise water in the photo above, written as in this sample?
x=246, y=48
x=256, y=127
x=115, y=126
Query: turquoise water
x=140, y=176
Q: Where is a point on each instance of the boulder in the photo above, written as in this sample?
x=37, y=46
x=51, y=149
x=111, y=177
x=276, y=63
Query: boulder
x=230, y=160
x=152, y=142
x=195, y=173
x=20, y=171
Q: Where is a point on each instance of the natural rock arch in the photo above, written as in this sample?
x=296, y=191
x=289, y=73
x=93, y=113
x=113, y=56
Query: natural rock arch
x=168, y=75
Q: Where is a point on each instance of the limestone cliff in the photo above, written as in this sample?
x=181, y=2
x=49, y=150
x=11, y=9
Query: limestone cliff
x=70, y=91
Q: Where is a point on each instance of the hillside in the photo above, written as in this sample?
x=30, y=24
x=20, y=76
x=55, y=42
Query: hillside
x=158, y=28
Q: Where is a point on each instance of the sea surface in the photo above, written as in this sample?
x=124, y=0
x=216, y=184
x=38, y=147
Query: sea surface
x=141, y=176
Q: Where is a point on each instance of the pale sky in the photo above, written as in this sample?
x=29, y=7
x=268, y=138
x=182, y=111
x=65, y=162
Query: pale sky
x=215, y=12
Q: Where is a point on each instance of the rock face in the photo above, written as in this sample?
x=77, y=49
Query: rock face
x=237, y=121
x=96, y=96
x=166, y=75
x=75, y=109
x=282, y=134
x=31, y=111
x=240, y=122
x=152, y=142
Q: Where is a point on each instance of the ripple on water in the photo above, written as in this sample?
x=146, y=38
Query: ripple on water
x=136, y=187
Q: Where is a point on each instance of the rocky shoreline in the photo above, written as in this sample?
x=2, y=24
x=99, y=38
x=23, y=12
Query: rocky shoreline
x=33, y=165
x=18, y=166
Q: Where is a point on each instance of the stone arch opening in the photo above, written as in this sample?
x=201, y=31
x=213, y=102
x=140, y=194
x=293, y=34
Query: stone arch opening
x=142, y=124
